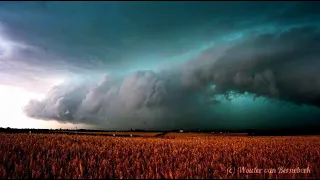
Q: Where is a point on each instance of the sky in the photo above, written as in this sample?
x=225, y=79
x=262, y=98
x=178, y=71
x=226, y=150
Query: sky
x=159, y=65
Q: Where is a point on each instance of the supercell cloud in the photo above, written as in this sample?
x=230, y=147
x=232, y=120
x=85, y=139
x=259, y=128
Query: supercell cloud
x=165, y=65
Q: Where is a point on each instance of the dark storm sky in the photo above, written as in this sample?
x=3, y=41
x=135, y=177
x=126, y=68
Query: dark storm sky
x=163, y=65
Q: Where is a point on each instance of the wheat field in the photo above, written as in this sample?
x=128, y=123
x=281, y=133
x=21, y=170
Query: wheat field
x=201, y=157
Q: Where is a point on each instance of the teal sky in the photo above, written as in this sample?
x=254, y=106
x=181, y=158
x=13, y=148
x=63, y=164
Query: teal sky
x=147, y=64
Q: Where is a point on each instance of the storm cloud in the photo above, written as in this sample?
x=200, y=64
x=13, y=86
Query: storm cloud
x=282, y=65
x=164, y=65
x=267, y=65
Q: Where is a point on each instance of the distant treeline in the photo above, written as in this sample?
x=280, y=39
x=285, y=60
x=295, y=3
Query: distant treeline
x=250, y=132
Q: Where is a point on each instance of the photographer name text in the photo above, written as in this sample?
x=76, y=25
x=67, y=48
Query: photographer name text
x=279, y=170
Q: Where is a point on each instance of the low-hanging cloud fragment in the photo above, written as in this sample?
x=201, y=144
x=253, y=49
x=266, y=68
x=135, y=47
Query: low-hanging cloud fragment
x=283, y=65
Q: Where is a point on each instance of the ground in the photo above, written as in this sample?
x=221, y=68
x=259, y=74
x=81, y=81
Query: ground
x=171, y=155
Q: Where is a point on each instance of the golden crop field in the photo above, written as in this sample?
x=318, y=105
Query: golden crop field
x=82, y=157
x=144, y=134
x=191, y=135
